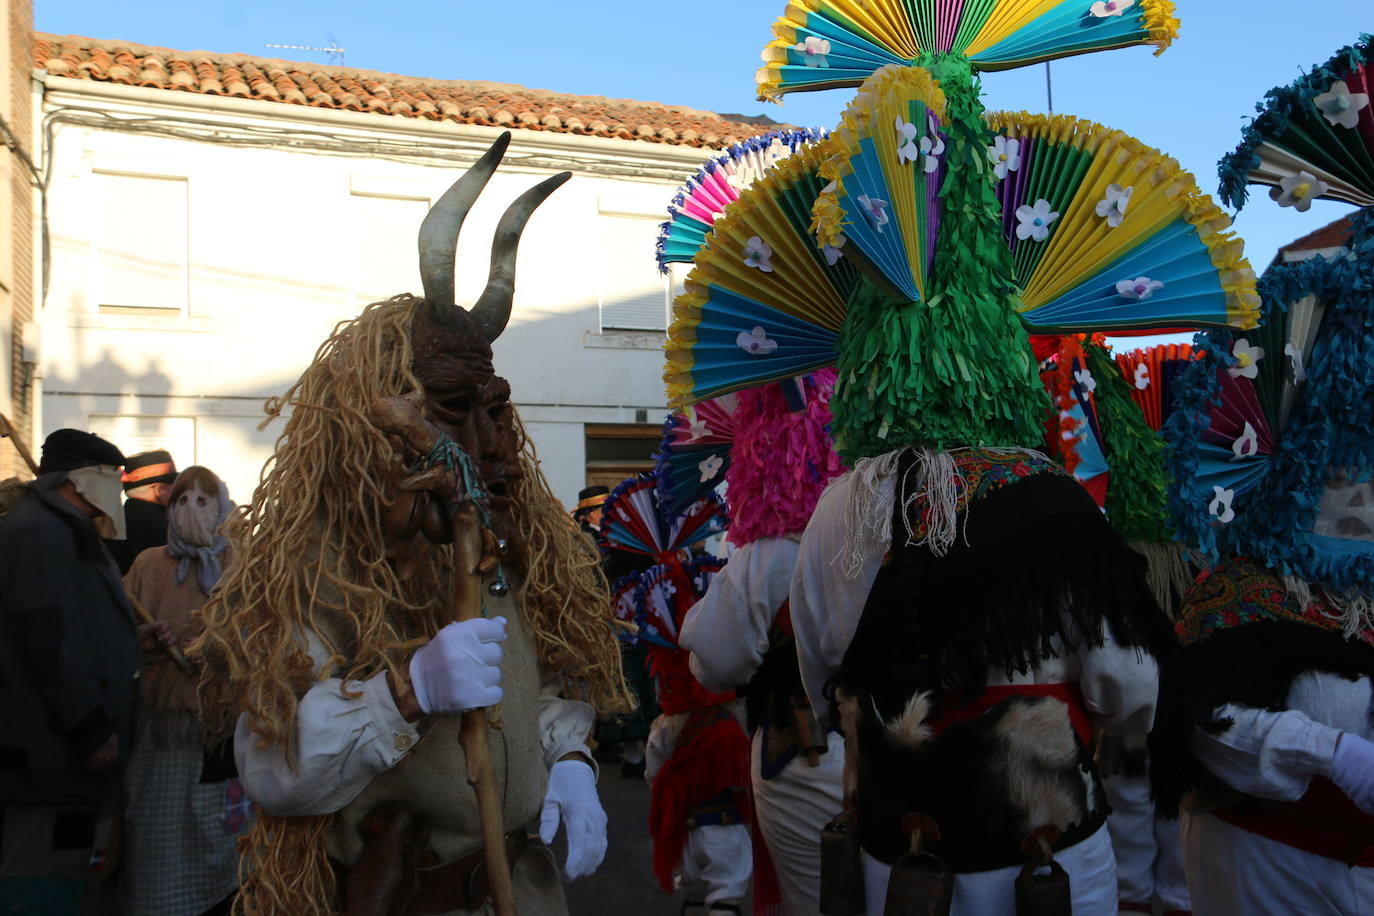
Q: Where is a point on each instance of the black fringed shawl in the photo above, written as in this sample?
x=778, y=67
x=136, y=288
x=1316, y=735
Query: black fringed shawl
x=1034, y=561
x=1035, y=569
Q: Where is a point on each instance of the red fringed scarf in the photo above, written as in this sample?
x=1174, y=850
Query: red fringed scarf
x=711, y=758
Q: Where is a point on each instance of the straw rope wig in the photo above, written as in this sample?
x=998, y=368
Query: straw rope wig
x=314, y=554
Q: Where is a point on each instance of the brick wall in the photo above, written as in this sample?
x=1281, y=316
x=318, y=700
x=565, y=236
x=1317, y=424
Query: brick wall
x=17, y=109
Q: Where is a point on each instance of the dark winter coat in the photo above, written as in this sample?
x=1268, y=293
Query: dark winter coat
x=145, y=524
x=69, y=655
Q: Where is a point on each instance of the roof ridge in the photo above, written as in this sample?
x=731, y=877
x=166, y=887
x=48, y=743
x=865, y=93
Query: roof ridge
x=51, y=51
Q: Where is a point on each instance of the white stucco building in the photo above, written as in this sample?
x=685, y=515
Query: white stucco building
x=211, y=217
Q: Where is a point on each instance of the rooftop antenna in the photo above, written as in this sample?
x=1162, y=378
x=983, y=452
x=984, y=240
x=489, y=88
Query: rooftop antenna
x=334, y=55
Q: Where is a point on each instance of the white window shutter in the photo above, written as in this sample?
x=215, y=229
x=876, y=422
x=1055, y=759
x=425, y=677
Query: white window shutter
x=634, y=295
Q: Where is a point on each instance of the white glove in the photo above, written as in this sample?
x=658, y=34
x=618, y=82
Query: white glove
x=572, y=798
x=1352, y=770
x=460, y=668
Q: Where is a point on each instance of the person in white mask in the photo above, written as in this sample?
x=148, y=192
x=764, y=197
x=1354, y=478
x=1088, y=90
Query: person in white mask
x=69, y=656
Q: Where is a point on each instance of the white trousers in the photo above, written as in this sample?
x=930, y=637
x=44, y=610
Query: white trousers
x=1092, y=878
x=716, y=863
x=792, y=807
x=1149, y=854
x=1231, y=870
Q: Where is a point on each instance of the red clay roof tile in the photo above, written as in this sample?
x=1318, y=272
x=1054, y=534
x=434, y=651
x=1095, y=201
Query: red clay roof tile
x=349, y=89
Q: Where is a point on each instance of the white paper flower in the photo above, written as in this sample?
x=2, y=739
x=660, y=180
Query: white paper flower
x=876, y=211
x=710, y=467
x=1298, y=191
x=1220, y=506
x=697, y=429
x=832, y=253
x=1104, y=8
x=757, y=254
x=931, y=150
x=814, y=51
x=1294, y=354
x=1005, y=155
x=1246, y=445
x=1142, y=377
x=1086, y=383
x=1034, y=222
x=1247, y=359
x=1139, y=288
x=1113, y=206
x=1341, y=106
x=756, y=342
x=907, y=150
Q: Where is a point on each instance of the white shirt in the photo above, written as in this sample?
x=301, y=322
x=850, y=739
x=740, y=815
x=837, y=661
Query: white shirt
x=346, y=737
x=1119, y=685
x=1276, y=754
x=727, y=630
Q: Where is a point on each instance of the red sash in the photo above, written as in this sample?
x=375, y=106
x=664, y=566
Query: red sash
x=1323, y=822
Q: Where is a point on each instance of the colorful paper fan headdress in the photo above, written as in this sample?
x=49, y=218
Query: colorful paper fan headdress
x=1312, y=139
x=636, y=519
x=1272, y=444
x=1272, y=447
x=825, y=44
x=938, y=236
x=717, y=185
x=657, y=599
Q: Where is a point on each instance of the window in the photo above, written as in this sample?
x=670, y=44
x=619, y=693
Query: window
x=619, y=450
x=634, y=295
x=142, y=230
x=383, y=246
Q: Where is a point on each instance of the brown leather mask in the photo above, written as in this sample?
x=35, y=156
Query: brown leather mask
x=463, y=396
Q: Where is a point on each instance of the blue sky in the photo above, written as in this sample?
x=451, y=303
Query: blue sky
x=1189, y=102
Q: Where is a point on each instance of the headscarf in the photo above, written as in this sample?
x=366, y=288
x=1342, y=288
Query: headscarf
x=194, y=532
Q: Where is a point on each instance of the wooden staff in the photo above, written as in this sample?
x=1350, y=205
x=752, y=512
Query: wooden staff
x=145, y=615
x=7, y=430
x=474, y=555
x=471, y=561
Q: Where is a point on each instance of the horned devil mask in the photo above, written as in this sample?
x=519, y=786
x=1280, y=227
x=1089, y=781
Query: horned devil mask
x=462, y=395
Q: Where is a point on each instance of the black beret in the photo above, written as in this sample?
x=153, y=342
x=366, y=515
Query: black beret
x=69, y=449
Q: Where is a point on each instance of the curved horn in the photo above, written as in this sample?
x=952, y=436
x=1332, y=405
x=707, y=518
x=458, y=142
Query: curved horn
x=492, y=311
x=439, y=231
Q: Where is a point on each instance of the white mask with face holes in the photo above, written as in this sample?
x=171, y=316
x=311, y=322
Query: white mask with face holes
x=195, y=517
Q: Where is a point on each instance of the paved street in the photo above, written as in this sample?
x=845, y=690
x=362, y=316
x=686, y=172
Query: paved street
x=625, y=882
